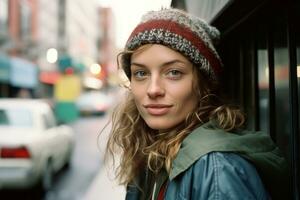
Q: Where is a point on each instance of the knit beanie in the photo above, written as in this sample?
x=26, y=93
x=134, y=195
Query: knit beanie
x=181, y=32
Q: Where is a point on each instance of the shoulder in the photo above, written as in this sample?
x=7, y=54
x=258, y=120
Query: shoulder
x=220, y=165
x=226, y=176
x=224, y=160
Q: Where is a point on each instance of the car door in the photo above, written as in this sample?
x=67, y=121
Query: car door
x=56, y=142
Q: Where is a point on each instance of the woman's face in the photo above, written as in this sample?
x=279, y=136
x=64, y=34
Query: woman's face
x=162, y=86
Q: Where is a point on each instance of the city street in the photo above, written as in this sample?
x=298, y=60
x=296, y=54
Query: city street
x=160, y=80
x=73, y=182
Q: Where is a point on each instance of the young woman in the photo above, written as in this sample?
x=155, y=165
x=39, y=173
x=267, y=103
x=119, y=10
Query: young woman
x=176, y=138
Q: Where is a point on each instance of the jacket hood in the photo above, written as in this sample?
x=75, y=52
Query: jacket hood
x=256, y=147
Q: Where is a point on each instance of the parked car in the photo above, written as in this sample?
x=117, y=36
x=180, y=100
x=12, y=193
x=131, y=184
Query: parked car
x=94, y=103
x=32, y=146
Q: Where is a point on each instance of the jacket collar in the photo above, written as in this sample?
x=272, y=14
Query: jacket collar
x=208, y=138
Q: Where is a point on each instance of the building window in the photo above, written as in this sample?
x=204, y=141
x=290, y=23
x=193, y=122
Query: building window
x=298, y=80
x=282, y=92
x=297, y=34
x=263, y=83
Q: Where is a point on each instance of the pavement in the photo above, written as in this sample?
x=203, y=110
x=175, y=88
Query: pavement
x=104, y=187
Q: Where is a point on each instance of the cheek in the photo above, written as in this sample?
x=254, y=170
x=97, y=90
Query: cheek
x=183, y=93
x=187, y=102
x=137, y=93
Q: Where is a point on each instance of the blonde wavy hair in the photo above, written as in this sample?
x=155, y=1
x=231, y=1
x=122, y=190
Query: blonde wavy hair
x=142, y=147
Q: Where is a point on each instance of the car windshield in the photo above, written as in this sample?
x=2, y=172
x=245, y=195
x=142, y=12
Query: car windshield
x=16, y=117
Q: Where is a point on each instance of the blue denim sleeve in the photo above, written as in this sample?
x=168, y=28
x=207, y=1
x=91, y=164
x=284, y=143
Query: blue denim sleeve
x=221, y=176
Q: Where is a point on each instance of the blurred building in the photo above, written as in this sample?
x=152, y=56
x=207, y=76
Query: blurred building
x=18, y=48
x=106, y=43
x=4, y=38
x=73, y=25
x=48, y=37
x=37, y=36
x=260, y=48
x=81, y=30
x=4, y=33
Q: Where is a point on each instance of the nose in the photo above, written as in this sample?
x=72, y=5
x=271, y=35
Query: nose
x=155, y=88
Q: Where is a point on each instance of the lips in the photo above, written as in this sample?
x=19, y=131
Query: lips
x=157, y=109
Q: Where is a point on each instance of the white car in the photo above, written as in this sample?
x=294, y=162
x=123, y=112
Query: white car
x=94, y=103
x=32, y=146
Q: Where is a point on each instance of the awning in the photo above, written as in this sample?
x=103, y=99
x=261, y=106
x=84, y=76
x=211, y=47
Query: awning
x=49, y=77
x=23, y=73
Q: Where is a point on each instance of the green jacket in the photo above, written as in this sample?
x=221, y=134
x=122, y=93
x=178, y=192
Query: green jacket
x=256, y=147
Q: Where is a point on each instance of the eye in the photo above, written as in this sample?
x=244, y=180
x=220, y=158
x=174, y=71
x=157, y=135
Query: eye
x=174, y=74
x=139, y=74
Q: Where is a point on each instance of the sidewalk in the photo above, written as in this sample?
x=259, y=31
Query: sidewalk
x=103, y=188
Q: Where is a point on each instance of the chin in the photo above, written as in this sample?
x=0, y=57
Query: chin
x=160, y=125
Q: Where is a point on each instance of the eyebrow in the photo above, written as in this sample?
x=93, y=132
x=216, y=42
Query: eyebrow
x=162, y=65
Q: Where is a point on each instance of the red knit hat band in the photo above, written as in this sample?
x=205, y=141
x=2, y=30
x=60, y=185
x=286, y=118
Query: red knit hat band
x=173, y=27
x=181, y=32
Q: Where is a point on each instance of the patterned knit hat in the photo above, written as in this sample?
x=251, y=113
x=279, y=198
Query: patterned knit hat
x=179, y=31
